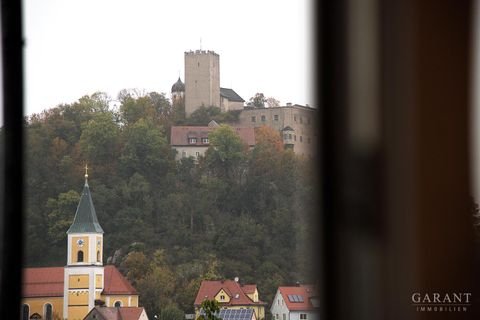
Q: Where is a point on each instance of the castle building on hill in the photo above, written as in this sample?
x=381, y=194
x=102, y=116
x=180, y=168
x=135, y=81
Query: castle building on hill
x=70, y=292
x=295, y=123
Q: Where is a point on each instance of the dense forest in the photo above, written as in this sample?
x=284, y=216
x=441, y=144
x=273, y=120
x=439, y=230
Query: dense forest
x=169, y=224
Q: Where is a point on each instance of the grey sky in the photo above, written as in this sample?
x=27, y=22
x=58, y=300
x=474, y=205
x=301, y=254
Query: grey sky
x=77, y=47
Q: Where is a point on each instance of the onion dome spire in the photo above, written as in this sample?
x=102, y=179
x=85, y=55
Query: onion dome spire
x=178, y=86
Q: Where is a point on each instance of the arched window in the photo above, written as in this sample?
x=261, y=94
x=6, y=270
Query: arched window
x=118, y=304
x=25, y=312
x=98, y=256
x=48, y=312
x=80, y=256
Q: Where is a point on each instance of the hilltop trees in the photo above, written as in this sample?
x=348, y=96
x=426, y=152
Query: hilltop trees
x=168, y=224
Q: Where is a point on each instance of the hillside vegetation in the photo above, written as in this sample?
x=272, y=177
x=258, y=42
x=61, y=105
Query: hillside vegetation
x=168, y=224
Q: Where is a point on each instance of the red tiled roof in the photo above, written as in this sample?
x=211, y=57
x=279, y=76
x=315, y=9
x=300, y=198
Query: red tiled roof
x=130, y=313
x=42, y=282
x=209, y=289
x=48, y=282
x=249, y=288
x=115, y=282
x=305, y=291
x=180, y=134
x=113, y=313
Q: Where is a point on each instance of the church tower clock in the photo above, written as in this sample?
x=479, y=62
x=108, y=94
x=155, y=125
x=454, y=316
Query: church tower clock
x=84, y=272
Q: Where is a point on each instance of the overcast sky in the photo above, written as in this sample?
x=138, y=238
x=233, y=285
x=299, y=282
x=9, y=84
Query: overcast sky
x=77, y=47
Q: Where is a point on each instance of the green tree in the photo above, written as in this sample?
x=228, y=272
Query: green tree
x=203, y=115
x=258, y=100
x=171, y=312
x=99, y=139
x=61, y=214
x=146, y=151
x=226, y=153
x=210, y=310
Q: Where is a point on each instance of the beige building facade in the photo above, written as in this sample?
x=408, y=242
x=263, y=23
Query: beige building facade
x=296, y=123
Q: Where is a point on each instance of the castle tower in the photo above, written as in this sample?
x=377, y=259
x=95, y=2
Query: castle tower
x=202, y=80
x=84, y=272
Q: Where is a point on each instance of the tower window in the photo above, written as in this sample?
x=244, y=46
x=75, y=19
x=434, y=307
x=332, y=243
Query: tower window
x=80, y=256
x=48, y=311
x=98, y=256
x=118, y=304
x=275, y=117
x=25, y=312
x=199, y=64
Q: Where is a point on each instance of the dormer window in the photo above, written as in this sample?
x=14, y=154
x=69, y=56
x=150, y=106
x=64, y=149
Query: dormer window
x=192, y=140
x=205, y=140
x=222, y=297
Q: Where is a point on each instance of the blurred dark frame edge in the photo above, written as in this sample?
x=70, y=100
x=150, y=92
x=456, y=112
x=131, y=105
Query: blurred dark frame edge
x=12, y=188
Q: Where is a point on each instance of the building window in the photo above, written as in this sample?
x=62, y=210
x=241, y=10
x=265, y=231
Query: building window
x=308, y=120
x=301, y=120
x=295, y=118
x=294, y=137
x=285, y=136
x=301, y=140
x=284, y=316
x=303, y=316
x=290, y=136
x=48, y=312
x=80, y=256
x=275, y=117
x=264, y=118
x=192, y=140
x=198, y=64
x=205, y=140
x=254, y=119
x=184, y=154
x=276, y=316
x=197, y=154
x=118, y=304
x=25, y=312
x=308, y=140
x=98, y=256
x=222, y=297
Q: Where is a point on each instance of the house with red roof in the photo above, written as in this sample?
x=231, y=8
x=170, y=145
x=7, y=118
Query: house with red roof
x=230, y=294
x=72, y=291
x=299, y=302
x=192, y=141
x=113, y=313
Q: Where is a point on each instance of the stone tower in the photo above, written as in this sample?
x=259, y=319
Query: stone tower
x=202, y=80
x=84, y=272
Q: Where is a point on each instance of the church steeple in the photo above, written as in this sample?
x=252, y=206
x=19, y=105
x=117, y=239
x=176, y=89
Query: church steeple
x=84, y=272
x=85, y=218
